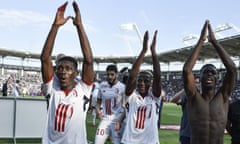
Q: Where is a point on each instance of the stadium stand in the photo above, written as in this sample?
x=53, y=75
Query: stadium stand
x=30, y=79
x=30, y=75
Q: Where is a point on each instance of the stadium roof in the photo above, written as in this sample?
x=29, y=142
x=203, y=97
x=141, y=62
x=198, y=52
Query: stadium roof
x=231, y=45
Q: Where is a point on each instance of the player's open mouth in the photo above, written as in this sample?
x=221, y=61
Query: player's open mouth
x=62, y=79
x=209, y=80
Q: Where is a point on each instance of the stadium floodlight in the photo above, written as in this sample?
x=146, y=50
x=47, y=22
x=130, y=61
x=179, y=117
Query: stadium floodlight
x=188, y=38
x=132, y=26
x=225, y=27
x=217, y=31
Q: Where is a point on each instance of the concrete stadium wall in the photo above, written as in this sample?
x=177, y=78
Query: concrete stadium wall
x=22, y=118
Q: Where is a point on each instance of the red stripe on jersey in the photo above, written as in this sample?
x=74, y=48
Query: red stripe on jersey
x=108, y=106
x=115, y=102
x=141, y=117
x=144, y=117
x=138, y=117
x=64, y=117
x=56, y=117
x=60, y=117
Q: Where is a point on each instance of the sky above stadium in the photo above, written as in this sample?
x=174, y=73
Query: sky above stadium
x=25, y=23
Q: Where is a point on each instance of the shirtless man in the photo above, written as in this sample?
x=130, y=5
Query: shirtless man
x=208, y=109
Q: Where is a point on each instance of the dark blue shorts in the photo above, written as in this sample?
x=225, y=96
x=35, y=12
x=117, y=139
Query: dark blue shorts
x=184, y=140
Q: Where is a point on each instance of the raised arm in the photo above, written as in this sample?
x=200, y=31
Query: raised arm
x=188, y=77
x=131, y=83
x=229, y=81
x=178, y=96
x=46, y=59
x=8, y=79
x=87, y=69
x=157, y=83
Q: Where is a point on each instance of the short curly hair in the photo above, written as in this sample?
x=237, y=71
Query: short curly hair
x=70, y=59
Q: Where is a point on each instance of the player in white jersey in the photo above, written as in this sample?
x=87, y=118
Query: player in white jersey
x=111, y=95
x=68, y=104
x=143, y=90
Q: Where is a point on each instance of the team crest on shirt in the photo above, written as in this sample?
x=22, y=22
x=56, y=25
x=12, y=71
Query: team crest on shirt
x=74, y=92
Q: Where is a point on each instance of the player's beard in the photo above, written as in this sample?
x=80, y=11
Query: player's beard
x=112, y=82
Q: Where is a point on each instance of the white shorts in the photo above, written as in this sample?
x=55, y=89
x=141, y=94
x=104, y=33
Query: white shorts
x=105, y=129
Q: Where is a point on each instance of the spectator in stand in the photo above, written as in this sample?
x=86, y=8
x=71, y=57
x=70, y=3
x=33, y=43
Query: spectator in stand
x=5, y=87
x=16, y=87
x=24, y=91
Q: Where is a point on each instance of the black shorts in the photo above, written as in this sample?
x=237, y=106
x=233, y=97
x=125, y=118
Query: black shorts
x=184, y=140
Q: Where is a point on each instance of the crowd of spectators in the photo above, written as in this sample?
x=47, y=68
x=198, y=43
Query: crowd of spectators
x=30, y=84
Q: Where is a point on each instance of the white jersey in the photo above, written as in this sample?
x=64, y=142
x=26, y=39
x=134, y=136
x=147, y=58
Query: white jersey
x=111, y=97
x=67, y=114
x=141, y=119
